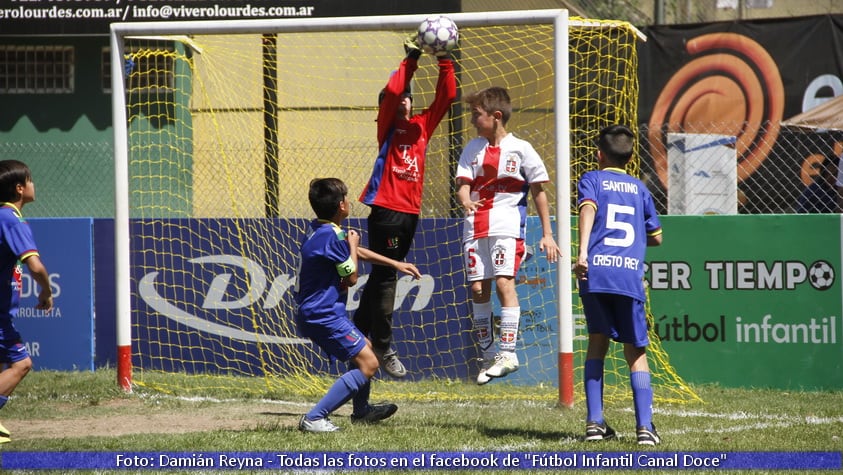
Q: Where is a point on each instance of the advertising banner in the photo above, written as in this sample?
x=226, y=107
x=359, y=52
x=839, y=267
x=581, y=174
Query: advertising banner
x=738, y=301
x=186, y=314
x=742, y=79
x=20, y=17
x=432, y=323
x=797, y=60
x=63, y=337
x=750, y=302
x=741, y=301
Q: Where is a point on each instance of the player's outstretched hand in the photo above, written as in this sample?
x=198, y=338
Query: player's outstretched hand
x=549, y=246
x=408, y=269
x=411, y=46
x=471, y=207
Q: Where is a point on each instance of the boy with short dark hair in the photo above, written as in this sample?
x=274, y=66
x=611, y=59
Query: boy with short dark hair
x=17, y=246
x=327, y=268
x=617, y=221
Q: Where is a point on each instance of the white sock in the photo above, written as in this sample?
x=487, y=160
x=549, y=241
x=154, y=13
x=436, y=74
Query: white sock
x=482, y=321
x=510, y=317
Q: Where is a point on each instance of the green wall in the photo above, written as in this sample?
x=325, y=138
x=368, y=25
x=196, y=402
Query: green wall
x=65, y=138
x=84, y=115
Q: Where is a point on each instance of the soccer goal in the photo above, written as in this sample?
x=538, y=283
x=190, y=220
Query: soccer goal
x=219, y=126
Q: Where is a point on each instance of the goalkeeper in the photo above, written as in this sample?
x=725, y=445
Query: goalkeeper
x=394, y=191
x=327, y=268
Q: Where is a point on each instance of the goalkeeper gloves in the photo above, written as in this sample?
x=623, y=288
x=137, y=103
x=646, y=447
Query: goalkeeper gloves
x=411, y=46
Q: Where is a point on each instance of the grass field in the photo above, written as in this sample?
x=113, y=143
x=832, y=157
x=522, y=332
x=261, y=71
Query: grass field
x=86, y=411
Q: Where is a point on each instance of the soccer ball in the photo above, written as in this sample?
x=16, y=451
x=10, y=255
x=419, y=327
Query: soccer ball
x=437, y=34
x=821, y=275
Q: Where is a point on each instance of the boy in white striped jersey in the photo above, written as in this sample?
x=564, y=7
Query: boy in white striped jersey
x=495, y=173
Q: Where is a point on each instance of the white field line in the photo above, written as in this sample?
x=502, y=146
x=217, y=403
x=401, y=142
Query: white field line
x=775, y=420
x=761, y=421
x=228, y=400
x=753, y=421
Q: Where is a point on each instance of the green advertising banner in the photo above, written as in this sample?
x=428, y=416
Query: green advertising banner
x=748, y=301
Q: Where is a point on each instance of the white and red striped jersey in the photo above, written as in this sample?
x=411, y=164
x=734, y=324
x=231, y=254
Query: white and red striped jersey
x=502, y=177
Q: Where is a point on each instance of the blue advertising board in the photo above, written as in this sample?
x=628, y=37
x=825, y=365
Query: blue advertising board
x=105, y=301
x=193, y=313
x=759, y=306
x=432, y=321
x=62, y=338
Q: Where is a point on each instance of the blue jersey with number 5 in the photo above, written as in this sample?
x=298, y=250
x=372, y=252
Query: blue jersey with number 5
x=625, y=215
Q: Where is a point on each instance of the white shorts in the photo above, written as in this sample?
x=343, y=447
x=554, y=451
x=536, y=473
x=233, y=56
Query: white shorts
x=493, y=256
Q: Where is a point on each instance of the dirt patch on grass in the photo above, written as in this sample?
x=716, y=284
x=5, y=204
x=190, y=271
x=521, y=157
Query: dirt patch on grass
x=135, y=416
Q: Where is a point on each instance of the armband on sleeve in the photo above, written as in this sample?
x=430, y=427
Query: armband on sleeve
x=346, y=268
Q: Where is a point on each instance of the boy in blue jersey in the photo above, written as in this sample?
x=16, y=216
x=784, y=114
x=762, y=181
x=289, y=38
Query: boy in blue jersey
x=617, y=221
x=16, y=246
x=327, y=268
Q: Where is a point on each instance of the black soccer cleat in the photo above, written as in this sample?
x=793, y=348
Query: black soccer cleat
x=595, y=431
x=377, y=413
x=648, y=436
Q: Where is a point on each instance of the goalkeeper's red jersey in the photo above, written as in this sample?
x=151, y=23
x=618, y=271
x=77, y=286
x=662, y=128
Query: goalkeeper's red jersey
x=397, y=179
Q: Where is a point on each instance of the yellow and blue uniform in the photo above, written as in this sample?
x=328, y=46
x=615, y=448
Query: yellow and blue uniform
x=16, y=245
x=325, y=259
x=625, y=214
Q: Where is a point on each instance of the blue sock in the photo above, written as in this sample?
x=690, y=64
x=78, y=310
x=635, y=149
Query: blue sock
x=593, y=376
x=642, y=398
x=338, y=394
x=3, y=400
x=360, y=402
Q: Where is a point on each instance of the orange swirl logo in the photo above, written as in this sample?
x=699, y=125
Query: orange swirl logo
x=732, y=87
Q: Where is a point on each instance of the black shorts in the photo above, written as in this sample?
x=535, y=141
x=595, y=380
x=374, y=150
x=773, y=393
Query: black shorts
x=390, y=233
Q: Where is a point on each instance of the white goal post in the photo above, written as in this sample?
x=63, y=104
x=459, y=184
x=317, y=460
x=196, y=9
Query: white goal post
x=558, y=18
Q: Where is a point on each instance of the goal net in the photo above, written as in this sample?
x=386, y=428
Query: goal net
x=224, y=124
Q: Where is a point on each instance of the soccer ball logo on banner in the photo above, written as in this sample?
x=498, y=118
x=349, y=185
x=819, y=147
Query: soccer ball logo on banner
x=821, y=275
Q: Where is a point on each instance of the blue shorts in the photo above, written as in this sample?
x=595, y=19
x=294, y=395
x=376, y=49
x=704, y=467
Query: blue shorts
x=619, y=317
x=12, y=351
x=340, y=338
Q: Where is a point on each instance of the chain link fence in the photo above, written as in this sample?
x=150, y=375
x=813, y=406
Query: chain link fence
x=72, y=179
x=775, y=165
x=77, y=179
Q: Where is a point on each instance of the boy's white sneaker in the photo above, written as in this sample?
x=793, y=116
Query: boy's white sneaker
x=505, y=363
x=319, y=425
x=486, y=362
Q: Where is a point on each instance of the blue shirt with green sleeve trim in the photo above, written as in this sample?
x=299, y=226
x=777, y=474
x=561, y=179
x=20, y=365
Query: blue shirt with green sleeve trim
x=324, y=259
